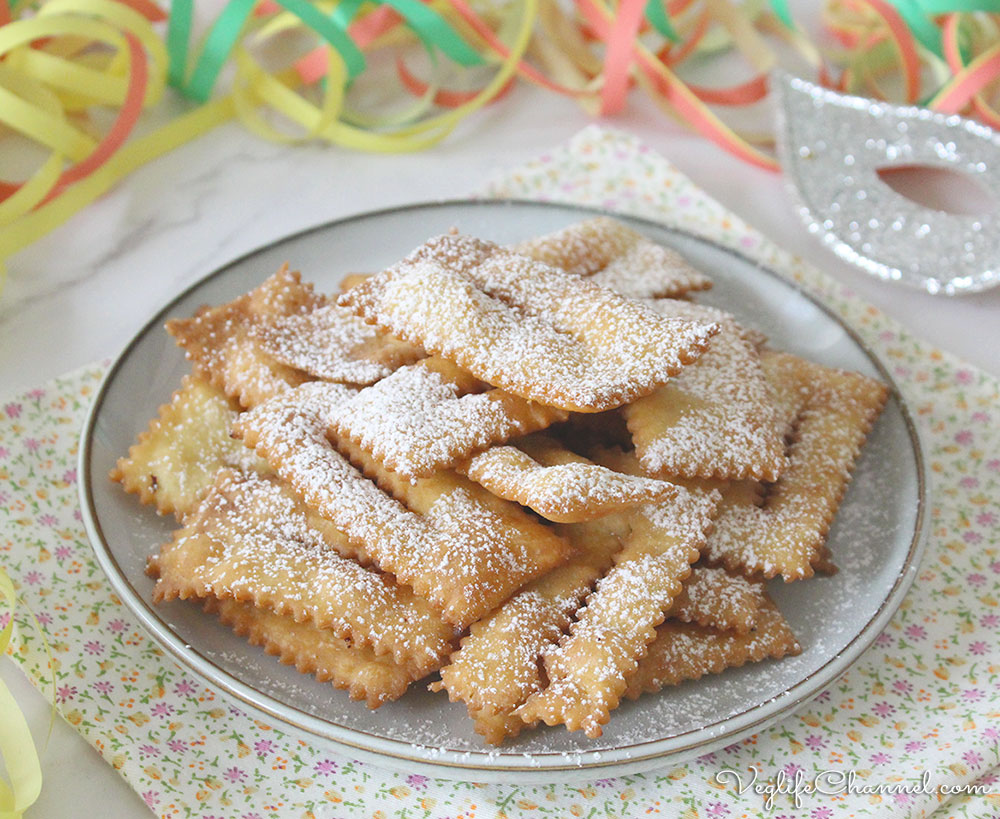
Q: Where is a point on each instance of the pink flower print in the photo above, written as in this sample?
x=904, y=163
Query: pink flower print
x=815, y=742
x=103, y=687
x=880, y=758
x=235, y=775
x=184, y=688
x=990, y=620
x=913, y=746
x=178, y=746
x=93, y=648
x=971, y=537
x=44, y=619
x=717, y=809
x=821, y=813
x=417, y=781
x=263, y=747
x=251, y=816
x=151, y=799
x=978, y=648
x=986, y=519
x=36, y=393
x=992, y=733
x=993, y=464
x=972, y=758
x=162, y=709
x=969, y=482
x=903, y=686
x=13, y=410
x=326, y=766
x=31, y=444
x=117, y=625
x=65, y=693
x=605, y=783
x=964, y=437
x=824, y=696
x=989, y=779
x=884, y=639
x=48, y=520
x=4, y=619
x=32, y=578
x=69, y=476
x=149, y=750
x=915, y=632
x=980, y=417
x=4, y=498
x=791, y=769
x=975, y=579
x=884, y=709
x=4, y=453
x=902, y=798
x=964, y=377
x=972, y=694
x=64, y=553
x=887, y=335
x=707, y=759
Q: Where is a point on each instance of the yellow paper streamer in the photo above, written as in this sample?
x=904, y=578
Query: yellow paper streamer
x=17, y=747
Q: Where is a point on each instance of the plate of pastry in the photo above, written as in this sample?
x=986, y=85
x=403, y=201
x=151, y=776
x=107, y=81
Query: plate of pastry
x=495, y=488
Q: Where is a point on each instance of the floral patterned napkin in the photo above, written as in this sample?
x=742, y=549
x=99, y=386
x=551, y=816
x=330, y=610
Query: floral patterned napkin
x=921, y=708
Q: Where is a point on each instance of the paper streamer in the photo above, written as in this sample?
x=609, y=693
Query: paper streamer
x=63, y=60
x=16, y=744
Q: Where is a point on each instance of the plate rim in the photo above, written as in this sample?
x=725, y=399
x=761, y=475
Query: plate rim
x=454, y=761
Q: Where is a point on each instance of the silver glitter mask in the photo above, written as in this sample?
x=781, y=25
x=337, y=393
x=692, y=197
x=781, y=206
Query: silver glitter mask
x=831, y=147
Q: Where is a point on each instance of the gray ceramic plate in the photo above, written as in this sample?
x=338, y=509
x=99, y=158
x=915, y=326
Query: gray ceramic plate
x=875, y=540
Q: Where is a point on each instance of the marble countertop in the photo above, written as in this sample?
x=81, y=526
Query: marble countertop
x=79, y=294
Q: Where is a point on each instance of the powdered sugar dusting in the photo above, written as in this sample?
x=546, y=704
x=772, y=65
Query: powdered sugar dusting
x=332, y=343
x=616, y=257
x=716, y=418
x=527, y=327
x=251, y=540
x=426, y=417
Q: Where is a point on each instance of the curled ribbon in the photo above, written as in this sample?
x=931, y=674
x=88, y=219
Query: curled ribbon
x=62, y=60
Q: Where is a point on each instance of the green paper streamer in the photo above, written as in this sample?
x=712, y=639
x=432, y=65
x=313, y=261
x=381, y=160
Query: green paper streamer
x=923, y=28
x=658, y=18
x=178, y=35
x=780, y=8
x=433, y=29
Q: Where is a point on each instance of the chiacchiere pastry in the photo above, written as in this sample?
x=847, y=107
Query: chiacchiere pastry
x=533, y=477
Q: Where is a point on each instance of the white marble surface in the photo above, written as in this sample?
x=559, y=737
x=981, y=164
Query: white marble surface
x=80, y=293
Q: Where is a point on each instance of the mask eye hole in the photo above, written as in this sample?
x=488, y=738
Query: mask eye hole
x=940, y=189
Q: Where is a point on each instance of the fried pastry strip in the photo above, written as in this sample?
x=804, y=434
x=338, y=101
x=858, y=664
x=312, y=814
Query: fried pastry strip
x=457, y=546
x=589, y=669
x=175, y=459
x=540, y=473
x=332, y=343
x=431, y=415
x=218, y=340
x=715, y=419
x=615, y=256
x=526, y=327
x=376, y=679
x=498, y=665
x=786, y=531
x=685, y=651
x=714, y=598
x=682, y=308
x=253, y=540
